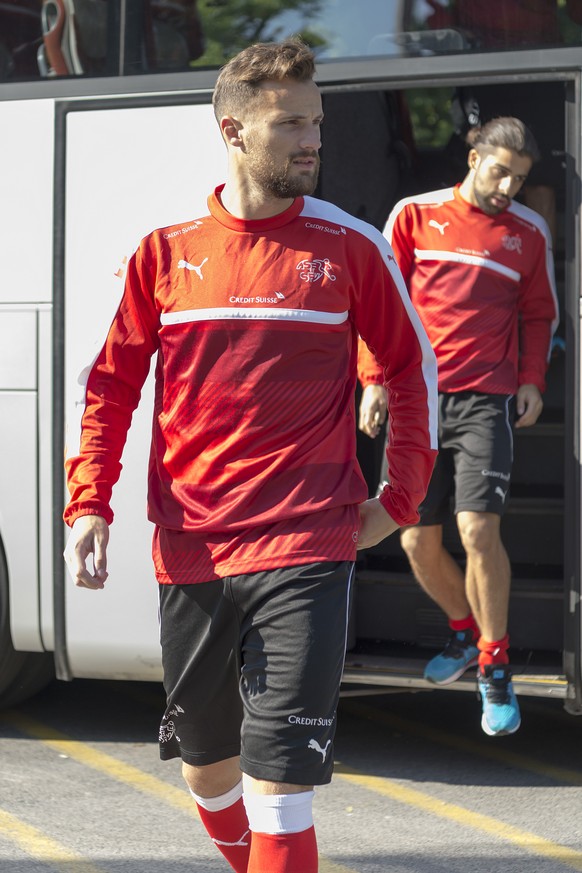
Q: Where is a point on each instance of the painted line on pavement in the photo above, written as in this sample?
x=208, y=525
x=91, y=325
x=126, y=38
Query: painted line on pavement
x=327, y=866
x=102, y=762
x=117, y=769
x=36, y=844
x=454, y=741
x=532, y=843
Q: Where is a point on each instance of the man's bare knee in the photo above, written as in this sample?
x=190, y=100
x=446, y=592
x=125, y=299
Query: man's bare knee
x=421, y=544
x=479, y=531
x=212, y=780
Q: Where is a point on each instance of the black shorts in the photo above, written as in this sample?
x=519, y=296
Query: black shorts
x=475, y=456
x=252, y=666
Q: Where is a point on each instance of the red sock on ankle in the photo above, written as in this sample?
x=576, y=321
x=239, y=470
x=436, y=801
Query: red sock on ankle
x=283, y=853
x=493, y=652
x=228, y=828
x=467, y=623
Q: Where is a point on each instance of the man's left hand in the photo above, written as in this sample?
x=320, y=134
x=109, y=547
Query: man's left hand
x=529, y=405
x=375, y=524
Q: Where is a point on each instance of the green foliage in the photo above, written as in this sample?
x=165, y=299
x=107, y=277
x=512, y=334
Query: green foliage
x=430, y=114
x=231, y=25
x=570, y=32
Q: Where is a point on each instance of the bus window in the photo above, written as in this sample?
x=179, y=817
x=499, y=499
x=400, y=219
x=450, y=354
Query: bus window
x=334, y=28
x=176, y=31
x=20, y=39
x=343, y=28
x=46, y=38
x=94, y=38
x=504, y=25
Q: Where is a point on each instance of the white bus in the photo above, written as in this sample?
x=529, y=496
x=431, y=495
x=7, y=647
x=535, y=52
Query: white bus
x=107, y=132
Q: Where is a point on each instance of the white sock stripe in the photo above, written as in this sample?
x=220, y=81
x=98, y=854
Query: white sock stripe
x=240, y=842
x=223, y=801
x=279, y=813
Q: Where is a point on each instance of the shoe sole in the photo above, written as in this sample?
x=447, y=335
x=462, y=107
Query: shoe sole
x=450, y=679
x=491, y=733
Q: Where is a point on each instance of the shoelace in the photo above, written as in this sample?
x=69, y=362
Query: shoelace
x=497, y=689
x=455, y=646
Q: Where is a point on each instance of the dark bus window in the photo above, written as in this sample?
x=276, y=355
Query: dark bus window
x=54, y=38
x=102, y=38
x=504, y=25
x=20, y=39
x=47, y=38
x=403, y=28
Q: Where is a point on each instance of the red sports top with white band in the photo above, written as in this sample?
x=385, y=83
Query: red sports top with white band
x=483, y=286
x=255, y=324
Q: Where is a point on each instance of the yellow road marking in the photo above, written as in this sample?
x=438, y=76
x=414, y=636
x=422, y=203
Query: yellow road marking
x=327, y=866
x=125, y=773
x=113, y=767
x=531, y=842
x=37, y=845
x=454, y=741
x=177, y=798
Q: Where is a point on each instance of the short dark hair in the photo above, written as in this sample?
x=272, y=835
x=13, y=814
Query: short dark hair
x=239, y=80
x=507, y=133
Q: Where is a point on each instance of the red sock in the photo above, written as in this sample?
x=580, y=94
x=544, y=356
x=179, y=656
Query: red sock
x=229, y=830
x=493, y=652
x=284, y=853
x=462, y=624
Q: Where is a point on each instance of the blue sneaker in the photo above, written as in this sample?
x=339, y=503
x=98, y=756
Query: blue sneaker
x=458, y=655
x=500, y=707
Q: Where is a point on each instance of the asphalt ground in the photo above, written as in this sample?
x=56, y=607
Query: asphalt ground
x=418, y=788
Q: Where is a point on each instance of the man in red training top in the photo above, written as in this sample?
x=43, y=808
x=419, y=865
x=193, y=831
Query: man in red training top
x=258, y=502
x=479, y=270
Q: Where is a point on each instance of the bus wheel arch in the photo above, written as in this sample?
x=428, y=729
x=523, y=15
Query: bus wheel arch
x=22, y=674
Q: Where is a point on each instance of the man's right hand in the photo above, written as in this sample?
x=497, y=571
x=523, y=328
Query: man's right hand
x=89, y=536
x=375, y=523
x=372, y=410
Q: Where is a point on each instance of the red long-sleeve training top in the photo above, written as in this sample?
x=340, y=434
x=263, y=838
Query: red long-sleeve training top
x=255, y=326
x=483, y=286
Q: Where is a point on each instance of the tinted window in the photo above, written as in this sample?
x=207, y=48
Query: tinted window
x=44, y=38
